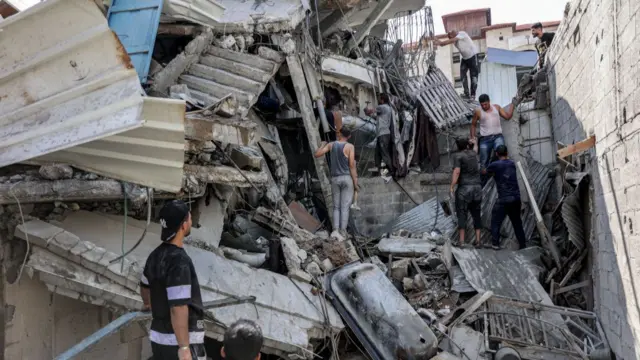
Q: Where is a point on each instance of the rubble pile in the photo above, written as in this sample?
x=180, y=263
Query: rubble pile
x=228, y=121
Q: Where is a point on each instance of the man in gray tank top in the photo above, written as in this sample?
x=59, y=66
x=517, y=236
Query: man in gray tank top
x=344, y=179
x=488, y=115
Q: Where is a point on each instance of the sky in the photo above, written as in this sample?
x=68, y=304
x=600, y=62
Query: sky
x=502, y=11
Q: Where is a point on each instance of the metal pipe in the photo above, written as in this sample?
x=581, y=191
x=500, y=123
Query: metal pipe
x=323, y=116
x=97, y=336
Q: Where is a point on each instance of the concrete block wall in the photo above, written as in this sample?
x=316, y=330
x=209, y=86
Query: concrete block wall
x=594, y=79
x=382, y=202
x=41, y=325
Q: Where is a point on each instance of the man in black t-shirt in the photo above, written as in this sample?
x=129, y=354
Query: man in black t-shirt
x=545, y=39
x=169, y=286
x=466, y=174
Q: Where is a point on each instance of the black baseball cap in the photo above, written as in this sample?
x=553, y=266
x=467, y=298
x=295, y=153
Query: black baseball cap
x=172, y=215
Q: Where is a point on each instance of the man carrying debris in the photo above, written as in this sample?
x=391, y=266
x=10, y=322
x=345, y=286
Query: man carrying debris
x=490, y=129
x=384, y=143
x=169, y=286
x=544, y=41
x=468, y=196
x=344, y=179
x=242, y=341
x=508, y=204
x=469, y=59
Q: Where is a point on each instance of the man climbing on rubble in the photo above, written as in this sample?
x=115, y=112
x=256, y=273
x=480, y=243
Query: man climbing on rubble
x=544, y=41
x=468, y=195
x=508, y=204
x=169, y=287
x=490, y=129
x=384, y=151
x=469, y=59
x=242, y=341
x=344, y=179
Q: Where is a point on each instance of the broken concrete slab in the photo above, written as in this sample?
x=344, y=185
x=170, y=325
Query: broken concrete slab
x=291, y=250
x=288, y=313
x=400, y=269
x=216, y=128
x=226, y=175
x=403, y=246
x=210, y=218
x=246, y=158
x=61, y=190
x=467, y=343
x=281, y=225
x=252, y=259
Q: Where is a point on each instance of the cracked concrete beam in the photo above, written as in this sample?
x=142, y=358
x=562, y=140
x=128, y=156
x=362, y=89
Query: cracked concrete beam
x=226, y=175
x=215, y=128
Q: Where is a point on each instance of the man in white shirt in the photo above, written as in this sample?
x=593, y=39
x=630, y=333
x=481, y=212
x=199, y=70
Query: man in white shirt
x=468, y=59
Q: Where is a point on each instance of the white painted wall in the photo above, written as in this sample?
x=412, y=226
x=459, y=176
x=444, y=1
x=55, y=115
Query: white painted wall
x=498, y=81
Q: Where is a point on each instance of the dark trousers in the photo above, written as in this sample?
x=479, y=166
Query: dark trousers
x=383, y=152
x=472, y=66
x=166, y=352
x=469, y=200
x=510, y=208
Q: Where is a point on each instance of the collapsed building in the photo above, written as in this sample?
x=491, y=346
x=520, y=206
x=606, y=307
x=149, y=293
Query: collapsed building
x=222, y=104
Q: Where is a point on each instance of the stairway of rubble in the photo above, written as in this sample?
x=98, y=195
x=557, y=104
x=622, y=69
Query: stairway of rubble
x=220, y=72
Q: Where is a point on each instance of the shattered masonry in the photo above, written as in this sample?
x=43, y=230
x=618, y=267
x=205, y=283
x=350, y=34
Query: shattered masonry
x=225, y=111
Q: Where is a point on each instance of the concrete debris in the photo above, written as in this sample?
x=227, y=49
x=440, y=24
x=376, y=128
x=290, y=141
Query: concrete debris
x=446, y=356
x=465, y=342
x=56, y=171
x=313, y=269
x=251, y=259
x=247, y=158
x=401, y=246
x=327, y=265
x=226, y=175
x=400, y=269
x=301, y=276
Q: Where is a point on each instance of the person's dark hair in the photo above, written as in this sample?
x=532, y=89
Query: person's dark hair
x=384, y=97
x=501, y=151
x=345, y=132
x=537, y=26
x=484, y=98
x=463, y=144
x=242, y=340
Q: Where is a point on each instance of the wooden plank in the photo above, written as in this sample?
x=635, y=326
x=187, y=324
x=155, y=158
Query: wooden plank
x=577, y=147
x=573, y=287
x=310, y=126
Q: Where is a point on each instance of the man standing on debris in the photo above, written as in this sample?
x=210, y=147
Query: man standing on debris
x=169, y=286
x=490, y=129
x=544, y=41
x=384, y=143
x=468, y=196
x=508, y=204
x=468, y=59
x=242, y=341
x=344, y=179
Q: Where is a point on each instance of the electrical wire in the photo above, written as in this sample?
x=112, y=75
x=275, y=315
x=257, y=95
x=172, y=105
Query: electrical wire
x=26, y=235
x=146, y=228
x=124, y=227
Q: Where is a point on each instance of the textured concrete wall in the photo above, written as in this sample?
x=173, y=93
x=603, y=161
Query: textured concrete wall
x=594, y=89
x=383, y=202
x=41, y=325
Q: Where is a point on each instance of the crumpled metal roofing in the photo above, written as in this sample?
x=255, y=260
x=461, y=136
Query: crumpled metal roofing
x=421, y=219
x=439, y=99
x=572, y=214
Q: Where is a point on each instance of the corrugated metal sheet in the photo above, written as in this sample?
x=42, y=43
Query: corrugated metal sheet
x=65, y=80
x=506, y=273
x=513, y=58
x=573, y=215
x=203, y=12
x=499, y=82
x=439, y=99
x=152, y=155
x=421, y=219
x=136, y=24
x=220, y=72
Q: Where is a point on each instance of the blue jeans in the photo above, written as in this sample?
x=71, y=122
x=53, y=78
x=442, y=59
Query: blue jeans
x=486, y=144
